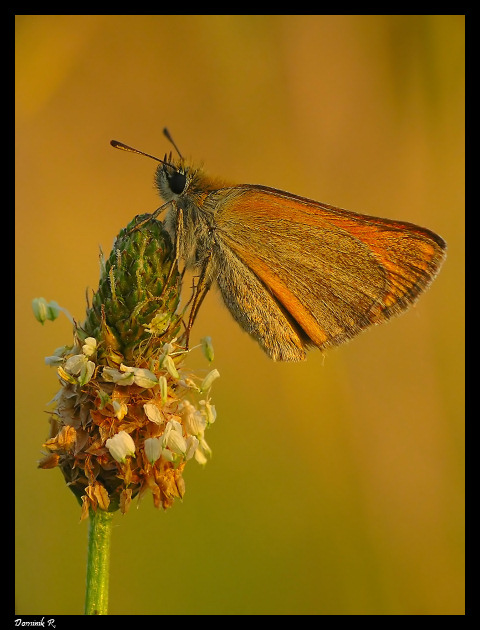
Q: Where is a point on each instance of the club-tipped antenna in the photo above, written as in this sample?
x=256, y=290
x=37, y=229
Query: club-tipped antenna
x=166, y=133
x=125, y=147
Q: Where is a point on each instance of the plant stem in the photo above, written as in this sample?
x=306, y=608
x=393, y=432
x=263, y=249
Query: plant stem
x=98, y=562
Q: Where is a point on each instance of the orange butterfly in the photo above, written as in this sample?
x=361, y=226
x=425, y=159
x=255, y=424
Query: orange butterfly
x=293, y=272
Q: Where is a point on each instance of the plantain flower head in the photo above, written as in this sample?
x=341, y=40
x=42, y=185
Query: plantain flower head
x=129, y=414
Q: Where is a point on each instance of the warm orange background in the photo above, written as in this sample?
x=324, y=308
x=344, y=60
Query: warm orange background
x=336, y=486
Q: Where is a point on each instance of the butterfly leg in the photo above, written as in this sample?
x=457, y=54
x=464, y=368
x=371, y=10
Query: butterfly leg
x=201, y=290
x=178, y=240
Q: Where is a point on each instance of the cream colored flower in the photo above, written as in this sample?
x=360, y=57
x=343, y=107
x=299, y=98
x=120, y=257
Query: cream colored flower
x=121, y=446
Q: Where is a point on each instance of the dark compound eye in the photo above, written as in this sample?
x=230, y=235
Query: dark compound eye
x=177, y=182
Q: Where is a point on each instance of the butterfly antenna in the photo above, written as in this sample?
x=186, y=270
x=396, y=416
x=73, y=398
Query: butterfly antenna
x=170, y=139
x=125, y=147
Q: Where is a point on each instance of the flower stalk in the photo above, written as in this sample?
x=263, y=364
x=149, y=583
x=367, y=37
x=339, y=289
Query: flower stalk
x=98, y=562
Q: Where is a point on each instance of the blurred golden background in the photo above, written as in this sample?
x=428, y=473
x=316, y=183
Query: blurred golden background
x=336, y=486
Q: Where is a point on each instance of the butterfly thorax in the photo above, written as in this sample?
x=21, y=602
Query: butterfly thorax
x=190, y=195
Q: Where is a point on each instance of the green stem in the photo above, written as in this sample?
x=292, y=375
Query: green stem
x=98, y=562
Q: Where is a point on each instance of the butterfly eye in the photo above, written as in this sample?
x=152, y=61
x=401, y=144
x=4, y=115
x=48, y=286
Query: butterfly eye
x=177, y=182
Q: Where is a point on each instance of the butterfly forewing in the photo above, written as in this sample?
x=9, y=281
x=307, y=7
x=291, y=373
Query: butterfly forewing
x=336, y=272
